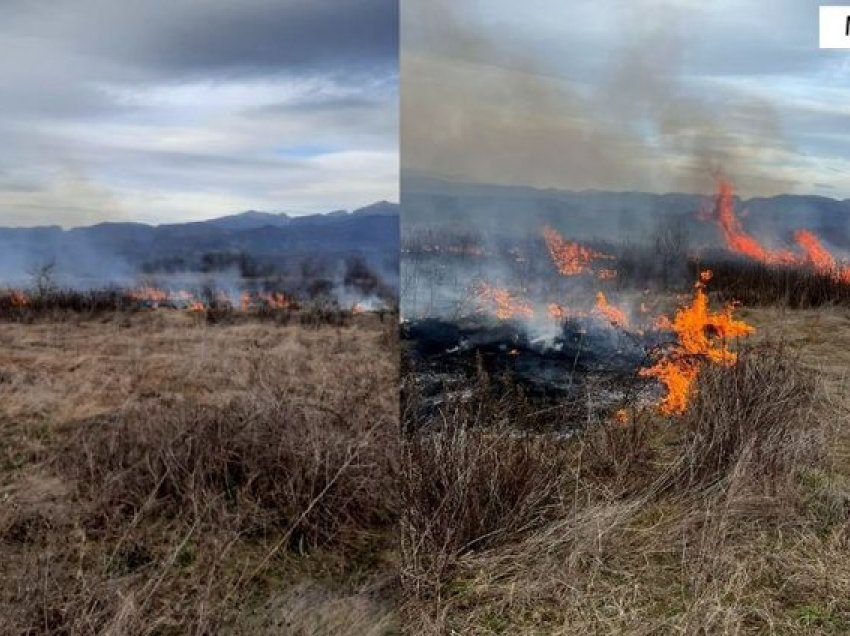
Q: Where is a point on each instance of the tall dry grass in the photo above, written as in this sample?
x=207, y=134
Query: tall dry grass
x=721, y=521
x=217, y=477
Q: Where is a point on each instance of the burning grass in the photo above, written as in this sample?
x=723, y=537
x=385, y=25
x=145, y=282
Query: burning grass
x=654, y=462
x=723, y=519
x=163, y=475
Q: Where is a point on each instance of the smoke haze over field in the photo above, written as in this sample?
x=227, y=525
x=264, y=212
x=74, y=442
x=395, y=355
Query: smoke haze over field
x=652, y=96
x=174, y=111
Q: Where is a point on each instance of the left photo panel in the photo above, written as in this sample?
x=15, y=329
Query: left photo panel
x=199, y=283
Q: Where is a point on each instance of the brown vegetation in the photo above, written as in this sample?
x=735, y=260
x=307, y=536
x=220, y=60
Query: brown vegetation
x=732, y=518
x=757, y=284
x=164, y=475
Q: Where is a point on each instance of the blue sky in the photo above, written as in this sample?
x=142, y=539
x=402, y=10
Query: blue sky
x=652, y=95
x=174, y=110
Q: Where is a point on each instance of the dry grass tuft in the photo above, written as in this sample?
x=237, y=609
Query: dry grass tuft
x=759, y=421
x=466, y=490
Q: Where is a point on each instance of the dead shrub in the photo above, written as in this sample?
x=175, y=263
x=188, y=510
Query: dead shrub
x=757, y=284
x=255, y=467
x=757, y=420
x=617, y=455
x=467, y=489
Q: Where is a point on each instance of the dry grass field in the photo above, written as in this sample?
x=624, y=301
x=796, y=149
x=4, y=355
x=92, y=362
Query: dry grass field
x=163, y=475
x=732, y=518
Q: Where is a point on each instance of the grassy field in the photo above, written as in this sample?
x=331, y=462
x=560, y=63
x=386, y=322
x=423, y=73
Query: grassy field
x=731, y=518
x=163, y=475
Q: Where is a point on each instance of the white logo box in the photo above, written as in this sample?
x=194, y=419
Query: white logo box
x=835, y=27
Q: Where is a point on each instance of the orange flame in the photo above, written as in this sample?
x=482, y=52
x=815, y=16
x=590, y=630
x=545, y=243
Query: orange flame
x=557, y=312
x=736, y=238
x=702, y=337
x=149, y=294
x=614, y=315
x=814, y=254
x=820, y=258
x=570, y=258
x=275, y=300
x=196, y=307
x=18, y=298
x=503, y=303
x=245, y=301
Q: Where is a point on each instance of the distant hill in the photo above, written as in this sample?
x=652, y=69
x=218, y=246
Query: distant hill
x=252, y=241
x=595, y=214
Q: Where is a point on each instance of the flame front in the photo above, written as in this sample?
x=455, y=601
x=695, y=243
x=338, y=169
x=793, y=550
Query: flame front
x=819, y=258
x=149, y=294
x=814, y=254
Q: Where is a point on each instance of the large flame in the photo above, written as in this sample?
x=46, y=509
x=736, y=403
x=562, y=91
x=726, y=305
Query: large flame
x=570, y=258
x=702, y=337
x=814, y=253
x=736, y=238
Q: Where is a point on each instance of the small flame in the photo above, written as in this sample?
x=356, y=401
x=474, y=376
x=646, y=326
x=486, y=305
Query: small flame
x=503, y=303
x=149, y=294
x=557, y=312
x=569, y=257
x=18, y=298
x=275, y=300
x=612, y=314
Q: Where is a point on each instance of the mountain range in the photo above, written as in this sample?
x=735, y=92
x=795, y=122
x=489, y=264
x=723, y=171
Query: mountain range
x=611, y=216
x=266, y=242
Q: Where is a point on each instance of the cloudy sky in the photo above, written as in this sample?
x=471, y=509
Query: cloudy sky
x=651, y=95
x=173, y=110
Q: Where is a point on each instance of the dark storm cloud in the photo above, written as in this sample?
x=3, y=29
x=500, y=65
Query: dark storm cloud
x=176, y=37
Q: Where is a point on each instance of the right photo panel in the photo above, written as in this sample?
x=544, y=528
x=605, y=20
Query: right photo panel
x=625, y=317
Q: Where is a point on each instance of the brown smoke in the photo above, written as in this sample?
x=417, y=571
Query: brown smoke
x=476, y=109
